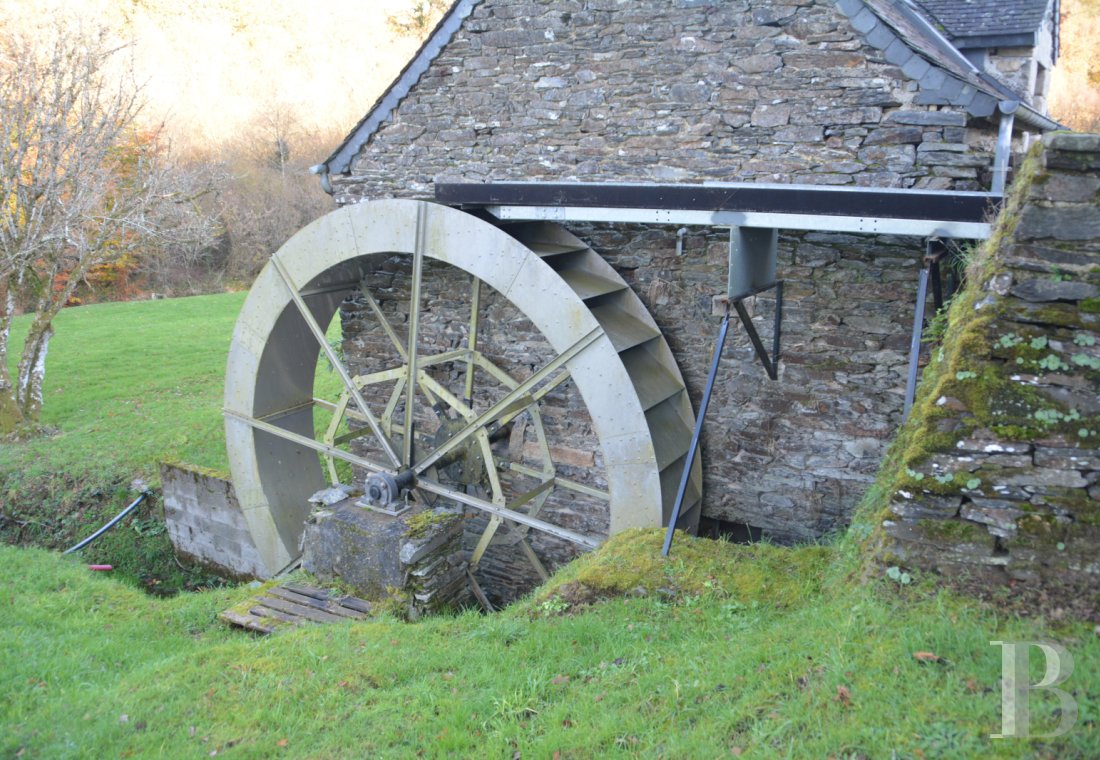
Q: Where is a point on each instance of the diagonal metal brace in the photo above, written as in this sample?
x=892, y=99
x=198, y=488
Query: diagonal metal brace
x=771, y=363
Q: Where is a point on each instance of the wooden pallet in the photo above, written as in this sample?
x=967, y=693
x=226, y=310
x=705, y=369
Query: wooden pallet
x=294, y=604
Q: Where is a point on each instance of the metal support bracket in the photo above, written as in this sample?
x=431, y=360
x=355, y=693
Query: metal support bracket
x=934, y=252
x=689, y=460
x=753, y=258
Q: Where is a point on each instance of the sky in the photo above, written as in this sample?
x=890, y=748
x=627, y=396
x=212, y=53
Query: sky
x=210, y=67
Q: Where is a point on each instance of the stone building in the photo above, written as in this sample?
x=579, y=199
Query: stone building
x=843, y=93
x=1014, y=41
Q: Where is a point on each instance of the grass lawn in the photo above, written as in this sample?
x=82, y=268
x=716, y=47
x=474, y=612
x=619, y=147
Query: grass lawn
x=719, y=651
x=128, y=384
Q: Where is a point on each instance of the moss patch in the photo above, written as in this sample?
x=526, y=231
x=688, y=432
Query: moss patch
x=422, y=523
x=630, y=564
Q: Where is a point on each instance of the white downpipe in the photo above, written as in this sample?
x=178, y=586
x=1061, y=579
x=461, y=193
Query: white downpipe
x=1004, y=146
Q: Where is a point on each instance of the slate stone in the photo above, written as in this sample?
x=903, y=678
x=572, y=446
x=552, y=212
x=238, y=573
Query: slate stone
x=1043, y=290
x=1058, y=222
x=894, y=135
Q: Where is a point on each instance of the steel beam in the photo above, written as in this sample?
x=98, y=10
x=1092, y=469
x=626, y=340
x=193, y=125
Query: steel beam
x=871, y=225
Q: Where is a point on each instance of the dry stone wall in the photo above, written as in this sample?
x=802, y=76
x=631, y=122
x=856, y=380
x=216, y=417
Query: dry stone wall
x=1002, y=459
x=689, y=91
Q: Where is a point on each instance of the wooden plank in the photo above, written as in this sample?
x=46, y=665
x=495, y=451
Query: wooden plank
x=293, y=604
x=308, y=601
x=267, y=612
x=282, y=605
x=354, y=603
x=304, y=590
x=350, y=602
x=250, y=622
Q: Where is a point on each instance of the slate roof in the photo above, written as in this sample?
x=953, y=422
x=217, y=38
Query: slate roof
x=980, y=18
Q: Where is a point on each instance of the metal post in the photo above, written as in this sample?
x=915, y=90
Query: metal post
x=937, y=284
x=414, y=328
x=695, y=436
x=914, y=341
x=778, y=323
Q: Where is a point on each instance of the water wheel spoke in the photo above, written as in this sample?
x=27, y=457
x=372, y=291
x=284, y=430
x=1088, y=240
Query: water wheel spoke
x=487, y=536
x=504, y=405
x=382, y=320
x=414, y=329
x=471, y=338
x=433, y=486
x=391, y=404
x=330, y=437
x=307, y=442
x=334, y=361
x=534, y=560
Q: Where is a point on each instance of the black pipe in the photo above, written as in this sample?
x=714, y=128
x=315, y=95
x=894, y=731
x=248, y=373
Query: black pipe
x=114, y=520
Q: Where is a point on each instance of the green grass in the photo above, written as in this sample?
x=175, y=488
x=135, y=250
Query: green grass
x=90, y=668
x=129, y=384
x=721, y=650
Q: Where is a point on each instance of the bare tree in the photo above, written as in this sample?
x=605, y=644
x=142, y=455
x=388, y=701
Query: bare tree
x=419, y=19
x=79, y=183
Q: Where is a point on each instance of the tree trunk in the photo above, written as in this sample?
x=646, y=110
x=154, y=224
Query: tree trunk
x=10, y=415
x=32, y=366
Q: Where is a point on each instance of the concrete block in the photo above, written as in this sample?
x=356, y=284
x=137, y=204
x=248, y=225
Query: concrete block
x=205, y=522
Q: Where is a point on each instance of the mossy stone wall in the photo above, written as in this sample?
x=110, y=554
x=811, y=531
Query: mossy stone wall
x=996, y=476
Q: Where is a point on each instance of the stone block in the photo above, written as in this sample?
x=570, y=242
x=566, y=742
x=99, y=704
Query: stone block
x=928, y=118
x=358, y=546
x=926, y=506
x=770, y=115
x=1058, y=222
x=1068, y=459
x=1043, y=290
x=1066, y=188
x=894, y=135
x=1040, y=477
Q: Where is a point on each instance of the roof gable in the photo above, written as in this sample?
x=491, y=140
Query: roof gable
x=945, y=76
x=908, y=39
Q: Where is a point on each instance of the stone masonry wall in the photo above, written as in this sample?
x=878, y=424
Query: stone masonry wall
x=1002, y=458
x=665, y=90
x=688, y=91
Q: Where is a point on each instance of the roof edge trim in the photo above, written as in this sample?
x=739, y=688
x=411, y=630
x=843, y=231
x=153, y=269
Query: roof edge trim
x=340, y=160
x=985, y=92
